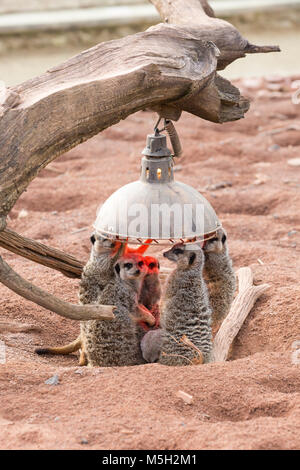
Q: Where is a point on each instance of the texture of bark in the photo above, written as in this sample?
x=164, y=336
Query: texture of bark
x=240, y=308
x=40, y=253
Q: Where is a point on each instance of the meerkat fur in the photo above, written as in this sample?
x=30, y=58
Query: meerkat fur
x=96, y=274
x=116, y=343
x=186, y=310
x=219, y=275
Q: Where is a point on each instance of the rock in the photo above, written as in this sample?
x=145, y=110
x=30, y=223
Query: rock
x=216, y=186
x=260, y=179
x=54, y=380
x=84, y=441
x=188, y=399
x=274, y=147
x=294, y=162
x=22, y=214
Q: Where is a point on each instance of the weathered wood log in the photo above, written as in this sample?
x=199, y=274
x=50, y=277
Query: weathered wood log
x=198, y=18
x=16, y=283
x=240, y=308
x=40, y=253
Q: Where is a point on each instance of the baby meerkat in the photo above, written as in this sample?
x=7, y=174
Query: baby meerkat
x=151, y=289
x=219, y=275
x=96, y=274
x=116, y=343
x=186, y=311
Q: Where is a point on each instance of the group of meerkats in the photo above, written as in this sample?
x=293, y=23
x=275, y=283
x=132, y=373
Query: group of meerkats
x=173, y=328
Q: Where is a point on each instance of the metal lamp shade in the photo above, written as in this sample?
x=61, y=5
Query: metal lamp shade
x=157, y=207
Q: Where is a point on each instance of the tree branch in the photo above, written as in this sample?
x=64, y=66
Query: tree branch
x=40, y=253
x=13, y=281
x=197, y=17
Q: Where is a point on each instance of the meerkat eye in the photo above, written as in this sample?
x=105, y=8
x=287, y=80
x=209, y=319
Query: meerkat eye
x=141, y=264
x=178, y=251
x=93, y=239
x=152, y=265
x=128, y=265
x=224, y=239
x=192, y=258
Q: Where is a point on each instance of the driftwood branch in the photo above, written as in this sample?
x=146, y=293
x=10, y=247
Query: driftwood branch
x=197, y=17
x=40, y=253
x=240, y=308
x=13, y=281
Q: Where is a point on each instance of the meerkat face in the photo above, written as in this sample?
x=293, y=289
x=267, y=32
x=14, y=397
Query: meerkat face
x=184, y=255
x=131, y=267
x=216, y=244
x=152, y=264
x=102, y=245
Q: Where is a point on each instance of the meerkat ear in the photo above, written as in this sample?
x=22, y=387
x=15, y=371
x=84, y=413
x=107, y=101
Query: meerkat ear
x=192, y=258
x=93, y=239
x=117, y=268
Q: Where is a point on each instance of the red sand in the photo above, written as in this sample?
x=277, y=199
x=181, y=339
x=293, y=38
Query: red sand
x=250, y=402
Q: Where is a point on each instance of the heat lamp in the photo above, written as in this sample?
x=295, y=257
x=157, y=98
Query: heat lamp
x=157, y=207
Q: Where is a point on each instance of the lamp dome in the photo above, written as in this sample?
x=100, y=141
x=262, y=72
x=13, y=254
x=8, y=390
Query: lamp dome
x=157, y=207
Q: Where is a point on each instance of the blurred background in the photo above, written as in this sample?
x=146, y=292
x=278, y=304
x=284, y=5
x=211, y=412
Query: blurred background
x=38, y=34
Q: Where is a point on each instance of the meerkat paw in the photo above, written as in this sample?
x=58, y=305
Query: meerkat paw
x=143, y=315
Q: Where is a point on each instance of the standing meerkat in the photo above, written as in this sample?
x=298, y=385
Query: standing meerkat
x=96, y=274
x=219, y=275
x=99, y=269
x=151, y=289
x=186, y=311
x=116, y=343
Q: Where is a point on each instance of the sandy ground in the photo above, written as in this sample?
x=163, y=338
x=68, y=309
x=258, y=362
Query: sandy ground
x=250, y=402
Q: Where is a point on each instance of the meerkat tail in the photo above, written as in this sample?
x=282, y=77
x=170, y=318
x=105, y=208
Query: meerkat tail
x=67, y=349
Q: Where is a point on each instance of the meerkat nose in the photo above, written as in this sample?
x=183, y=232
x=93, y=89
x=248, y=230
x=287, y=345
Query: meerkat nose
x=137, y=271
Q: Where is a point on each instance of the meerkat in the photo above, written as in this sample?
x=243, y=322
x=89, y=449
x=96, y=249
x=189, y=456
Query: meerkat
x=116, y=343
x=99, y=269
x=186, y=311
x=219, y=275
x=151, y=345
x=151, y=289
x=96, y=274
